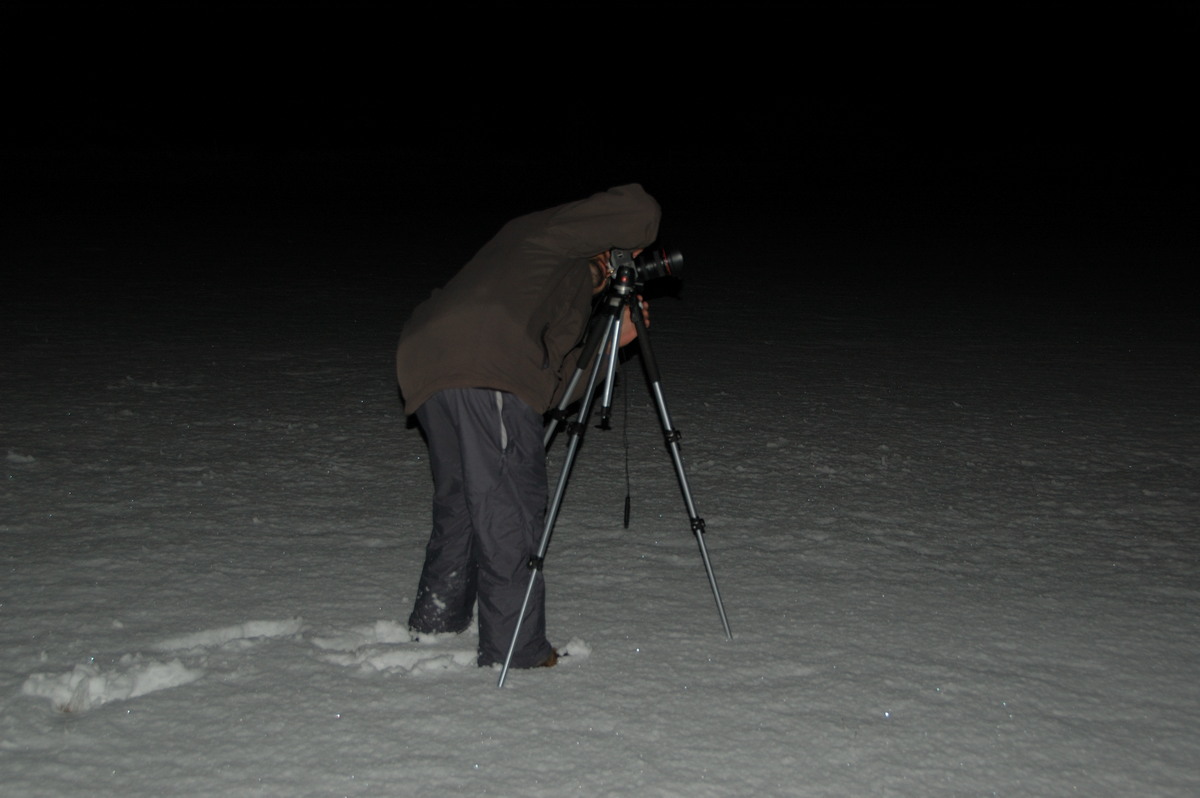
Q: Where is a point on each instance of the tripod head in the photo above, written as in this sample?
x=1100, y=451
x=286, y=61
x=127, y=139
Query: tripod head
x=625, y=274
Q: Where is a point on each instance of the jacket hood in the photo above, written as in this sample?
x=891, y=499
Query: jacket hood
x=624, y=217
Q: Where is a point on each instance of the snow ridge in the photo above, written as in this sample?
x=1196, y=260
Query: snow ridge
x=87, y=686
x=382, y=647
x=238, y=634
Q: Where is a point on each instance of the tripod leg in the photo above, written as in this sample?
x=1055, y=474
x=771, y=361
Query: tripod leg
x=574, y=439
x=595, y=339
x=672, y=437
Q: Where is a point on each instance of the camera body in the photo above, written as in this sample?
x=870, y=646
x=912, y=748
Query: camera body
x=650, y=264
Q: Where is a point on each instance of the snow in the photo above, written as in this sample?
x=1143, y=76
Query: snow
x=956, y=539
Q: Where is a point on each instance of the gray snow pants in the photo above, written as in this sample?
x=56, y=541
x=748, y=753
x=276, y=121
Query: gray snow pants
x=489, y=506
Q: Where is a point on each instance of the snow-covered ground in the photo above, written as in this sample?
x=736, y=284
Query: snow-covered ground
x=957, y=541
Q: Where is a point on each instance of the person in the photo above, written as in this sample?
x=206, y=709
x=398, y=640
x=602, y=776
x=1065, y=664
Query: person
x=479, y=363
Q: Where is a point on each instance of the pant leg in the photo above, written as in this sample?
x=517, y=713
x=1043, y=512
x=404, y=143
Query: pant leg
x=509, y=516
x=446, y=591
x=489, y=469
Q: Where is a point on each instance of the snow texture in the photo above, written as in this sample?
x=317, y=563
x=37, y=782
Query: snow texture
x=956, y=540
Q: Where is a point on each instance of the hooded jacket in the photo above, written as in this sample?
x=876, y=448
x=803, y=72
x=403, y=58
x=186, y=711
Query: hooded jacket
x=513, y=317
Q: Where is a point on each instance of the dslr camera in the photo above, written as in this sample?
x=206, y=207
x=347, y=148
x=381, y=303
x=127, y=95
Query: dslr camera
x=651, y=264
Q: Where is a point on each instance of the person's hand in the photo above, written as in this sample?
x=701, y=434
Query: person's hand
x=628, y=329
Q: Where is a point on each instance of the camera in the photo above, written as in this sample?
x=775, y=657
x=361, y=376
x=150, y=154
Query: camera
x=652, y=264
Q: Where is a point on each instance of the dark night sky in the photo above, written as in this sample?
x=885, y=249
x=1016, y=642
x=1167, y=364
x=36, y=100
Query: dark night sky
x=884, y=109
x=865, y=83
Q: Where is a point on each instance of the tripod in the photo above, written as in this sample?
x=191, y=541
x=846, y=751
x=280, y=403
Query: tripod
x=600, y=350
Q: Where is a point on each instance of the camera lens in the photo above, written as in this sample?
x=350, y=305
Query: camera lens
x=664, y=262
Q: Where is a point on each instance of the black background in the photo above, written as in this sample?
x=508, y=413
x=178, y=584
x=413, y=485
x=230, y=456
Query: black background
x=1004, y=151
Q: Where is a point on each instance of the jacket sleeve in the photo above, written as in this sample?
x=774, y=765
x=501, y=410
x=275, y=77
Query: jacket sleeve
x=571, y=363
x=568, y=332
